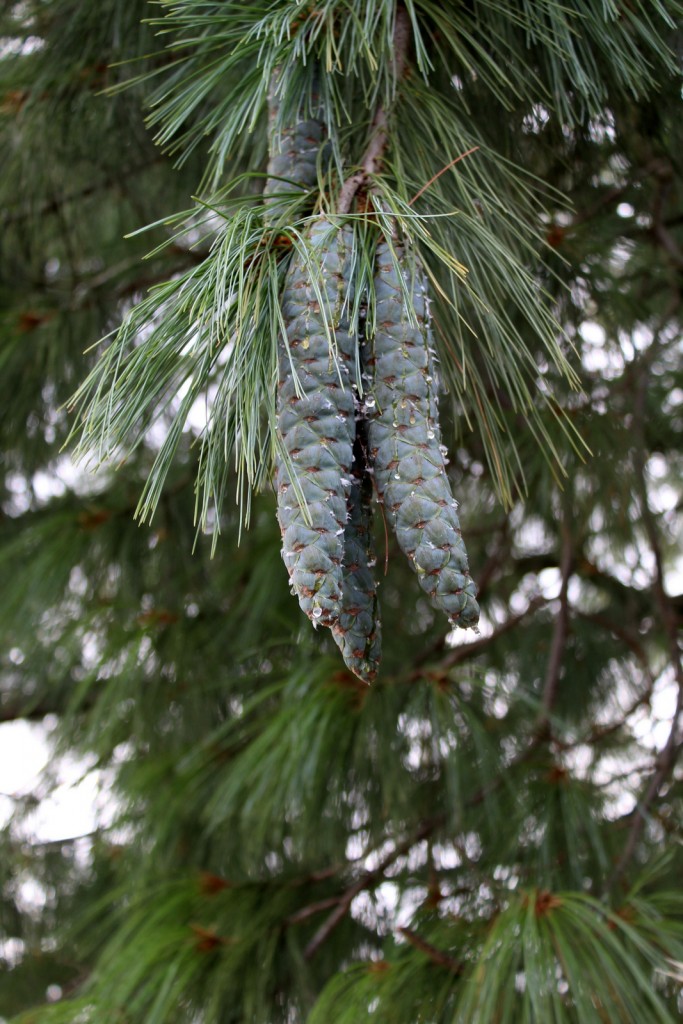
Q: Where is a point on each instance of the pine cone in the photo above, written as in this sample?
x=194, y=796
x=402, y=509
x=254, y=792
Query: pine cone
x=329, y=560
x=358, y=631
x=405, y=441
x=317, y=424
x=293, y=154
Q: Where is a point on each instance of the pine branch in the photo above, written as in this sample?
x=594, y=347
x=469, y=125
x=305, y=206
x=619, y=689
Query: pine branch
x=559, y=640
x=626, y=637
x=18, y=710
x=664, y=765
x=49, y=206
x=601, y=733
x=311, y=910
x=668, y=755
x=495, y=559
x=379, y=133
x=436, y=955
x=664, y=174
x=366, y=881
x=57, y=844
x=463, y=652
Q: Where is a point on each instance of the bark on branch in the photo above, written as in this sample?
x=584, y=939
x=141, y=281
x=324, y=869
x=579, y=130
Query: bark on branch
x=434, y=954
x=374, y=154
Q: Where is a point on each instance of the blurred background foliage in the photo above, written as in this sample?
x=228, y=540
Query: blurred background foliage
x=492, y=832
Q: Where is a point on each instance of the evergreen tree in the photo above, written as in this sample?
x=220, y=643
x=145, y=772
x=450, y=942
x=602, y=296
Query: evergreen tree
x=489, y=830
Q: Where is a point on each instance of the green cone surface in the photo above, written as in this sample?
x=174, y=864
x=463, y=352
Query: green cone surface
x=293, y=155
x=329, y=559
x=316, y=423
x=405, y=441
x=358, y=631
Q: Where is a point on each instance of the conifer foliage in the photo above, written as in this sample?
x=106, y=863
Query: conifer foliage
x=351, y=261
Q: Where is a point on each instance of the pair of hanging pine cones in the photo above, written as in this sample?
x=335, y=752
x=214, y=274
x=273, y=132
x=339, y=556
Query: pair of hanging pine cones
x=352, y=410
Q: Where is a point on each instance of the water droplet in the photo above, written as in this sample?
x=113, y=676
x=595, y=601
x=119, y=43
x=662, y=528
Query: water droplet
x=429, y=379
x=397, y=476
x=370, y=402
x=338, y=533
x=317, y=612
x=372, y=562
x=443, y=449
x=430, y=435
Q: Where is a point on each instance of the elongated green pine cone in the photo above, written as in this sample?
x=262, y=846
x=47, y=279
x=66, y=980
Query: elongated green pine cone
x=328, y=560
x=405, y=441
x=293, y=154
x=316, y=422
x=358, y=631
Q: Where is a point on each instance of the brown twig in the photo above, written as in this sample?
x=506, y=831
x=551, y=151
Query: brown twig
x=604, y=200
x=495, y=559
x=443, y=170
x=559, y=639
x=366, y=881
x=664, y=173
x=437, y=955
x=522, y=757
x=601, y=733
x=465, y=651
x=49, y=206
x=664, y=765
x=311, y=910
x=668, y=755
x=374, y=154
x=627, y=638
